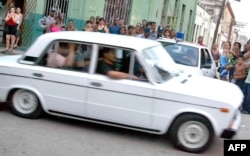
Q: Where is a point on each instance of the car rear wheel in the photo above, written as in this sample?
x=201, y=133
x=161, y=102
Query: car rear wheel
x=26, y=104
x=192, y=133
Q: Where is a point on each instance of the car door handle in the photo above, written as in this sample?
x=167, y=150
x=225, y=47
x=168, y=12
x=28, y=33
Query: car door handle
x=96, y=84
x=38, y=75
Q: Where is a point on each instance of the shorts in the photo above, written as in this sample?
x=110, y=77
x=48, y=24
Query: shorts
x=11, y=30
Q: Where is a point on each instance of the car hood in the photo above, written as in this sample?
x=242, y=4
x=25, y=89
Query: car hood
x=190, y=69
x=201, y=90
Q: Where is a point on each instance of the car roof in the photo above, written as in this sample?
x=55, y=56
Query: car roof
x=181, y=42
x=103, y=38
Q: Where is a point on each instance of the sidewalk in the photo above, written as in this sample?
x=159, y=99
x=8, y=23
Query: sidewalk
x=15, y=51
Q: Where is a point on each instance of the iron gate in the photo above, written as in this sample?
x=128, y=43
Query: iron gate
x=116, y=9
x=28, y=23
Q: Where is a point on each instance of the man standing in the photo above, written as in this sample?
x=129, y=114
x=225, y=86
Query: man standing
x=115, y=28
x=146, y=33
x=46, y=21
x=246, y=88
x=200, y=41
x=153, y=35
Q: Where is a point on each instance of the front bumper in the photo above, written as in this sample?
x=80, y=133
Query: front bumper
x=234, y=127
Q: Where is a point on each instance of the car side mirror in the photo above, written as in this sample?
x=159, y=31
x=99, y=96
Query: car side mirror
x=206, y=66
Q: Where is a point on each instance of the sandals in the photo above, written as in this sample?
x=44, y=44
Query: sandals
x=5, y=51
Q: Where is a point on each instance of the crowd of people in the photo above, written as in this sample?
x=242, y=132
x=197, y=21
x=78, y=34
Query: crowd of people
x=144, y=29
x=233, y=66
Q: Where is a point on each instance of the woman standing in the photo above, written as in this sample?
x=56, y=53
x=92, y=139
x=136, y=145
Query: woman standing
x=166, y=33
x=19, y=21
x=11, y=28
x=224, y=61
x=57, y=26
x=101, y=27
x=88, y=27
x=216, y=54
x=71, y=26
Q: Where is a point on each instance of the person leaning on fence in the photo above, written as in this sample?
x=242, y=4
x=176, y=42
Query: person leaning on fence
x=46, y=21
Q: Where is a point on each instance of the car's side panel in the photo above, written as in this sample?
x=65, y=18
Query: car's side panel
x=63, y=91
x=120, y=101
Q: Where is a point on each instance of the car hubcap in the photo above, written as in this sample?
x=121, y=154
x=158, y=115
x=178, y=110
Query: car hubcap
x=193, y=134
x=25, y=102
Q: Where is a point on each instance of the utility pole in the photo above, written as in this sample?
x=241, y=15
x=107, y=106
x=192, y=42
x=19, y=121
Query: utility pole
x=218, y=22
x=230, y=30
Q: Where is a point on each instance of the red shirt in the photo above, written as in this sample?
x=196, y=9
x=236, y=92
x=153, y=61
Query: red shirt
x=10, y=22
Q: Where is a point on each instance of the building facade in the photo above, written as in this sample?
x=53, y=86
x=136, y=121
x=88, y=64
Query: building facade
x=204, y=26
x=226, y=28
x=176, y=14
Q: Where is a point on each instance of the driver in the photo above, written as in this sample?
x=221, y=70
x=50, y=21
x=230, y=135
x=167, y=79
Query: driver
x=106, y=66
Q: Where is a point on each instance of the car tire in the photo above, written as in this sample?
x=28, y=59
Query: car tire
x=25, y=103
x=191, y=133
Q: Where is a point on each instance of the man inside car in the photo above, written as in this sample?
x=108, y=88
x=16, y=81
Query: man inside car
x=107, y=67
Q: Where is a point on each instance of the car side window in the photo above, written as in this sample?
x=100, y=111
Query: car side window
x=120, y=60
x=67, y=55
x=208, y=58
x=203, y=57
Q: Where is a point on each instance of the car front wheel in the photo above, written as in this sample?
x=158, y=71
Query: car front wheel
x=192, y=133
x=26, y=104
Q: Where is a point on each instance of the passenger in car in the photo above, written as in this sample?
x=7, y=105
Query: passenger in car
x=66, y=57
x=107, y=67
x=56, y=58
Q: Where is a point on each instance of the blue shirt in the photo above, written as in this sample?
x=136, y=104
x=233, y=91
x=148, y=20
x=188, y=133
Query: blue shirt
x=114, y=29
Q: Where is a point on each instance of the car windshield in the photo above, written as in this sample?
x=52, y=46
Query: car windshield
x=160, y=63
x=182, y=54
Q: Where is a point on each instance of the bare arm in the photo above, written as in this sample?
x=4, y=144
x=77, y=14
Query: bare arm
x=106, y=29
x=8, y=16
x=70, y=58
x=21, y=20
x=120, y=75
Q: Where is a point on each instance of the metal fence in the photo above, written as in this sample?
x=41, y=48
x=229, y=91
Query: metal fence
x=61, y=7
x=116, y=9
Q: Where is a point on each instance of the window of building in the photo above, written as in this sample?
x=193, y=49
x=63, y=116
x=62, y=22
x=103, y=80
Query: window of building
x=116, y=9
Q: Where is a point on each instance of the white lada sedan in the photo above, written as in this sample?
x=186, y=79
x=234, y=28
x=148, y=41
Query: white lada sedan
x=58, y=75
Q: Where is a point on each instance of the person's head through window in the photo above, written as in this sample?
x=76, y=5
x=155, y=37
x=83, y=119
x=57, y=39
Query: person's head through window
x=63, y=48
x=108, y=55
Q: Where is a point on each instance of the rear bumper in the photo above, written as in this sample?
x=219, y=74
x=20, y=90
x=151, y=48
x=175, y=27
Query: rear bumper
x=234, y=127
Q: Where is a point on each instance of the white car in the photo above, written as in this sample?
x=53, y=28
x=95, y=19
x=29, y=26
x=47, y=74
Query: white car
x=190, y=57
x=162, y=100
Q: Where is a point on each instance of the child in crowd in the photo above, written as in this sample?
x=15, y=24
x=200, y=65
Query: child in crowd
x=239, y=72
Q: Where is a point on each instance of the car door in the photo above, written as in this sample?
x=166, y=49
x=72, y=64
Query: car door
x=207, y=64
x=62, y=90
x=123, y=102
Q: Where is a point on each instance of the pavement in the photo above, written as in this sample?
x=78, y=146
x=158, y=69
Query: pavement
x=16, y=51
